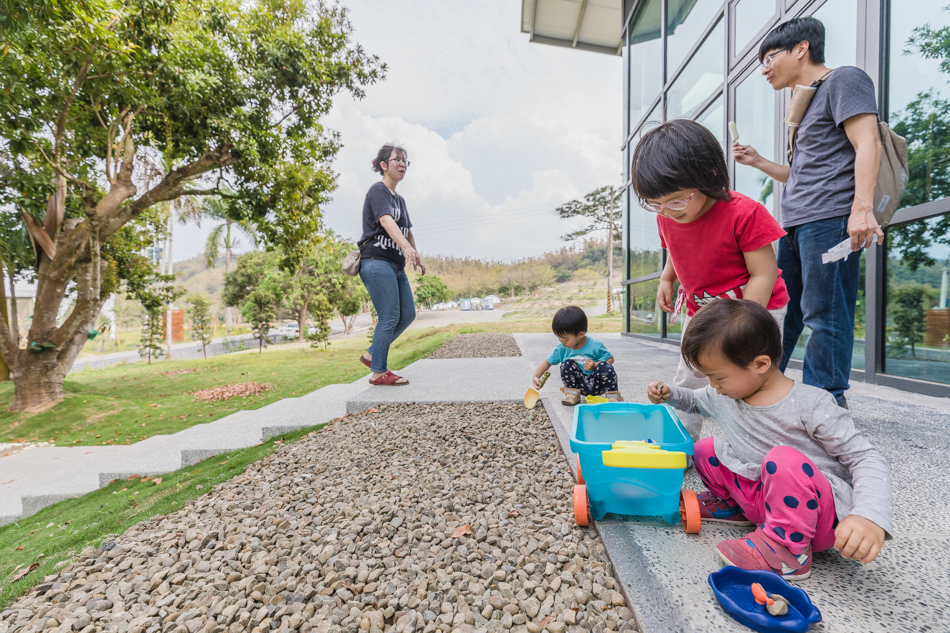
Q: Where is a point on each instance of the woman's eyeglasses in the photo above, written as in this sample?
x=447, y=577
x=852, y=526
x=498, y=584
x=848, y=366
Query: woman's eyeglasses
x=399, y=160
x=672, y=205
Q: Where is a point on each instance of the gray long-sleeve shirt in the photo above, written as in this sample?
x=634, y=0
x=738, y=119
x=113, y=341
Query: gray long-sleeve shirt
x=807, y=419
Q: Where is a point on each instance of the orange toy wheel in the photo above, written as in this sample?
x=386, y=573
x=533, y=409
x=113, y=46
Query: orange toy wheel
x=689, y=511
x=581, y=507
x=580, y=476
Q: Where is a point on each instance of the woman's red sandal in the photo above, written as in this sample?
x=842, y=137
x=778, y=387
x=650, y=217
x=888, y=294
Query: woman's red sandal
x=366, y=362
x=389, y=379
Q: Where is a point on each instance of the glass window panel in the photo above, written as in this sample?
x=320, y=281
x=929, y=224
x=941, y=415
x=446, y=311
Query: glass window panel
x=840, y=18
x=646, y=60
x=755, y=120
x=857, y=355
x=686, y=20
x=751, y=16
x=701, y=77
x=917, y=318
x=714, y=118
x=919, y=99
x=641, y=303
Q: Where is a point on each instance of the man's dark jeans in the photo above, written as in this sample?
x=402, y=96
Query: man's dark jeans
x=389, y=289
x=822, y=297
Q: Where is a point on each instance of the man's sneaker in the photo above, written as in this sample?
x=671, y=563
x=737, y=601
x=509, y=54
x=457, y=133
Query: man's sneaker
x=716, y=510
x=756, y=551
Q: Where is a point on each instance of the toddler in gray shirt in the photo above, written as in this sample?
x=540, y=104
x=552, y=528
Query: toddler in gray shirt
x=792, y=461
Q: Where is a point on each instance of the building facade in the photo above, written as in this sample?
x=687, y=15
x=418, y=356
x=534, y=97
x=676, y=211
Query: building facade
x=698, y=59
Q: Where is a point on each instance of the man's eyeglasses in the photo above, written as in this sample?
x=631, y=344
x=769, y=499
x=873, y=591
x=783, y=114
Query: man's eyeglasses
x=399, y=160
x=672, y=205
x=768, y=59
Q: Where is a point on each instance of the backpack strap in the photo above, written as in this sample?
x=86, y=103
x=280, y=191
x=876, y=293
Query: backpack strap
x=801, y=99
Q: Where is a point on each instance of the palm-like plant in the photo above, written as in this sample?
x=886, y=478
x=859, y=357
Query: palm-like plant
x=224, y=236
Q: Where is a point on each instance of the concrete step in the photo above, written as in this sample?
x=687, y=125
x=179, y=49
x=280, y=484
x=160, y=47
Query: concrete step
x=34, y=479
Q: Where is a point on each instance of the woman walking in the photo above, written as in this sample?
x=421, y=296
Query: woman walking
x=388, y=246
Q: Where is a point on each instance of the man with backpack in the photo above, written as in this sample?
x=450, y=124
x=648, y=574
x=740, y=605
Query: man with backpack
x=828, y=195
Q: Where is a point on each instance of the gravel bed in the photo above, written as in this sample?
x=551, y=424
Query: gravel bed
x=478, y=345
x=407, y=518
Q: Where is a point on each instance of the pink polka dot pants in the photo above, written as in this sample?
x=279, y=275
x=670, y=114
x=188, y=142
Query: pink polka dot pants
x=792, y=500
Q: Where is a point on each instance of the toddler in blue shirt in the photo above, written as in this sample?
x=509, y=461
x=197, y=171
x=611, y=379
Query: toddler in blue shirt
x=586, y=365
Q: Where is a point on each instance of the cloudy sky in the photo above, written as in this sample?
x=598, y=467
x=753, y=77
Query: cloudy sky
x=499, y=131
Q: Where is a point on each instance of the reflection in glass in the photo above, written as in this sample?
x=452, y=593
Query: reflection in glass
x=714, y=118
x=751, y=16
x=641, y=302
x=857, y=355
x=701, y=77
x=917, y=316
x=920, y=112
x=686, y=20
x=646, y=59
x=755, y=120
x=840, y=18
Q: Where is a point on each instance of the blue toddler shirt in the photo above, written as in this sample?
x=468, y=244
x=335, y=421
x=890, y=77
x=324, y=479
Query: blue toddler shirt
x=593, y=349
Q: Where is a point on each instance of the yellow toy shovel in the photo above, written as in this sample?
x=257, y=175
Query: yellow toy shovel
x=532, y=395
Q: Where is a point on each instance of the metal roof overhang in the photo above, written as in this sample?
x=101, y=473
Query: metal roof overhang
x=590, y=25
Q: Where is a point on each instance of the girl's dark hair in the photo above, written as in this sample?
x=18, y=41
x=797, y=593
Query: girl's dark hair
x=740, y=330
x=787, y=35
x=570, y=320
x=678, y=155
x=385, y=152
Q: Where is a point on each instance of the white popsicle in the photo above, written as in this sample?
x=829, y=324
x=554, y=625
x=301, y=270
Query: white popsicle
x=733, y=131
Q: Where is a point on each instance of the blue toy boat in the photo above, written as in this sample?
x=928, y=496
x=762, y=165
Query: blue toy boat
x=733, y=589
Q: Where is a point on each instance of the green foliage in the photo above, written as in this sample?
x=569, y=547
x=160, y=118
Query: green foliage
x=200, y=320
x=600, y=209
x=925, y=123
x=259, y=309
x=431, y=289
x=909, y=316
x=153, y=331
x=199, y=92
x=321, y=311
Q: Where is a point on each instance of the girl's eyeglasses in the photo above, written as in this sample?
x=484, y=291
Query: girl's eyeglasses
x=672, y=205
x=399, y=160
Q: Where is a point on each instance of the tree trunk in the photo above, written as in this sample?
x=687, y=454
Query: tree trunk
x=302, y=320
x=14, y=315
x=4, y=369
x=227, y=269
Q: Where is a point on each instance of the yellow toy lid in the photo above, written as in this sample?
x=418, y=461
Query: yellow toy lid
x=639, y=454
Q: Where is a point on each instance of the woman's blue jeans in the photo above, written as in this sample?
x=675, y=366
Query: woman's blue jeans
x=822, y=297
x=391, y=294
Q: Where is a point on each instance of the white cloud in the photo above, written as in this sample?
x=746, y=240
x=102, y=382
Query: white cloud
x=499, y=130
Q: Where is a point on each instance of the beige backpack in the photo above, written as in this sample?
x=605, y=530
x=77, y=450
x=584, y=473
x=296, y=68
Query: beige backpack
x=894, y=172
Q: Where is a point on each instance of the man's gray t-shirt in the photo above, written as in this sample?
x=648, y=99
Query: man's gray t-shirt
x=821, y=182
x=807, y=419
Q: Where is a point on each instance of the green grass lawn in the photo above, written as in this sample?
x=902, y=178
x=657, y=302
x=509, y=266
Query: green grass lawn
x=54, y=536
x=124, y=404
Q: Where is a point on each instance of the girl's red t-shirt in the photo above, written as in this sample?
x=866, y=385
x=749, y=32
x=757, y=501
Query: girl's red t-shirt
x=708, y=256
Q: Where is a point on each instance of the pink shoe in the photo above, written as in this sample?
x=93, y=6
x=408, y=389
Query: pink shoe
x=756, y=551
x=716, y=510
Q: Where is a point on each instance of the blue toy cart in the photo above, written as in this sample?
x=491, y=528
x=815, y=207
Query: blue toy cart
x=653, y=490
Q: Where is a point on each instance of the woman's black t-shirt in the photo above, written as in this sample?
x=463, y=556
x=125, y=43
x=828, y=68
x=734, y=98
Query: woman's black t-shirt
x=381, y=201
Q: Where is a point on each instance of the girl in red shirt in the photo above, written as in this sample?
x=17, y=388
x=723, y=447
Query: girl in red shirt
x=719, y=241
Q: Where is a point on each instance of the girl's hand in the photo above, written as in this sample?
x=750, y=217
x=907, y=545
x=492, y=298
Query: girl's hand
x=589, y=364
x=536, y=381
x=858, y=538
x=664, y=296
x=658, y=393
x=745, y=154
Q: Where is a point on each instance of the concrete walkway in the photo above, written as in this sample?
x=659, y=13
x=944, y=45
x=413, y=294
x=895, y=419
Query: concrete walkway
x=663, y=571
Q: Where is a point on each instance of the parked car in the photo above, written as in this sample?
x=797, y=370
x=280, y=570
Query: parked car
x=289, y=330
